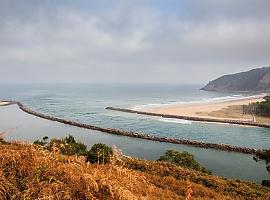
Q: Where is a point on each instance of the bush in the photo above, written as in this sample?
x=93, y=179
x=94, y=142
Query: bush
x=43, y=142
x=68, y=146
x=183, y=159
x=99, y=153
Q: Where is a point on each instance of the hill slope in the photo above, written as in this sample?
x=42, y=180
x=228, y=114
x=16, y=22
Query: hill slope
x=253, y=80
x=30, y=172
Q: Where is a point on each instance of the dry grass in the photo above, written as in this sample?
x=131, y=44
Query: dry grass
x=29, y=172
x=234, y=112
x=230, y=112
x=182, y=181
x=262, y=119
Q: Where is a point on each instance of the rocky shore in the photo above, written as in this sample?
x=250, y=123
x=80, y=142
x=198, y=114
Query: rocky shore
x=201, y=119
x=224, y=147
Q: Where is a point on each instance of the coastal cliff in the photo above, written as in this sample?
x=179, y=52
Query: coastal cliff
x=253, y=80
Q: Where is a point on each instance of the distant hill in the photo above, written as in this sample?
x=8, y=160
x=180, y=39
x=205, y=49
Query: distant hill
x=253, y=80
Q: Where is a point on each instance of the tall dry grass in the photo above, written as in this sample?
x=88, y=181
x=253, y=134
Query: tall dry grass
x=30, y=172
x=194, y=184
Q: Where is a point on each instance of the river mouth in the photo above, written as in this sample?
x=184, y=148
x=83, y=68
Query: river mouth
x=21, y=126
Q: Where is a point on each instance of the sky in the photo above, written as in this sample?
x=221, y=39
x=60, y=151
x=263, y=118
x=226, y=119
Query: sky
x=135, y=41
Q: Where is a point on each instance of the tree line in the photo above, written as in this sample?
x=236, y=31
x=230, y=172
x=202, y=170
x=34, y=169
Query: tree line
x=258, y=108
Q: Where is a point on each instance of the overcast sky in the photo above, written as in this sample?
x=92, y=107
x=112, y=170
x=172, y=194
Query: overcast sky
x=131, y=41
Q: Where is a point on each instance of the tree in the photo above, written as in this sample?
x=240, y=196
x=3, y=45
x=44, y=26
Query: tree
x=183, y=159
x=99, y=153
x=68, y=146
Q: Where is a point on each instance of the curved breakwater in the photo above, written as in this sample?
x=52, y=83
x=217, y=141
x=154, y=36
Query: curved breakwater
x=224, y=147
x=200, y=119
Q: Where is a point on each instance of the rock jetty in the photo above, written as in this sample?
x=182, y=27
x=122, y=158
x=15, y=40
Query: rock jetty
x=200, y=119
x=224, y=147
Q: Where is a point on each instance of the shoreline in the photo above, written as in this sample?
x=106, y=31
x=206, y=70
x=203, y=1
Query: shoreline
x=206, y=145
x=223, y=110
x=190, y=118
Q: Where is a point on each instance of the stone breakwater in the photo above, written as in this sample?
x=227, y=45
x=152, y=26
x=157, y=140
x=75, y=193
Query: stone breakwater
x=224, y=147
x=200, y=119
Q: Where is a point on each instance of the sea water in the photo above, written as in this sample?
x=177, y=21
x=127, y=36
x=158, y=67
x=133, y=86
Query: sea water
x=86, y=103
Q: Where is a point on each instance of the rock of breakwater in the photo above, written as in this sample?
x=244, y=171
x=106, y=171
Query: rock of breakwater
x=206, y=145
x=201, y=119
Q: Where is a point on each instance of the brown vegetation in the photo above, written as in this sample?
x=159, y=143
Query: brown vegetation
x=29, y=172
x=178, y=179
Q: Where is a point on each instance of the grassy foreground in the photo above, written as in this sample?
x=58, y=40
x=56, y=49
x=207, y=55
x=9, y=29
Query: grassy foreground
x=29, y=172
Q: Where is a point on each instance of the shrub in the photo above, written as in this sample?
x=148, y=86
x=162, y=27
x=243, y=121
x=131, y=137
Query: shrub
x=183, y=159
x=68, y=146
x=99, y=153
x=43, y=142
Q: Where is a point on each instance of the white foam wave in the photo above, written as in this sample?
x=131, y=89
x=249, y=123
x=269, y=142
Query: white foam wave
x=206, y=100
x=149, y=106
x=178, y=121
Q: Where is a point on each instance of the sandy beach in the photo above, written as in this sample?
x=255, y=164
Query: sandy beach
x=231, y=109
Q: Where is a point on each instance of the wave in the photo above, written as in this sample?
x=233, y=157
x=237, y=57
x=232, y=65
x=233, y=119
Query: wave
x=206, y=100
x=149, y=106
x=178, y=121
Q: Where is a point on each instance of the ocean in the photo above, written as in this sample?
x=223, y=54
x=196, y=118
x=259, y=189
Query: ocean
x=87, y=102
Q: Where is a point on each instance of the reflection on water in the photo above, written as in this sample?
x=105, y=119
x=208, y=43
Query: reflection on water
x=22, y=126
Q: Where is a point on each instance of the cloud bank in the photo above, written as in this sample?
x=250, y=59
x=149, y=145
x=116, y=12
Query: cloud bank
x=139, y=41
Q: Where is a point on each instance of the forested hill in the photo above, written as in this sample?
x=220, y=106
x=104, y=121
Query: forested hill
x=253, y=80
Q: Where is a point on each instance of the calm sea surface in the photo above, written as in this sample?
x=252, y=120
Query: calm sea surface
x=86, y=103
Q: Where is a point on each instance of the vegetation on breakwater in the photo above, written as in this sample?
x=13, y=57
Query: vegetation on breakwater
x=33, y=172
x=224, y=147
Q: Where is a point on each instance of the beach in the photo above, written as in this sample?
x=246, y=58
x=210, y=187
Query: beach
x=229, y=109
